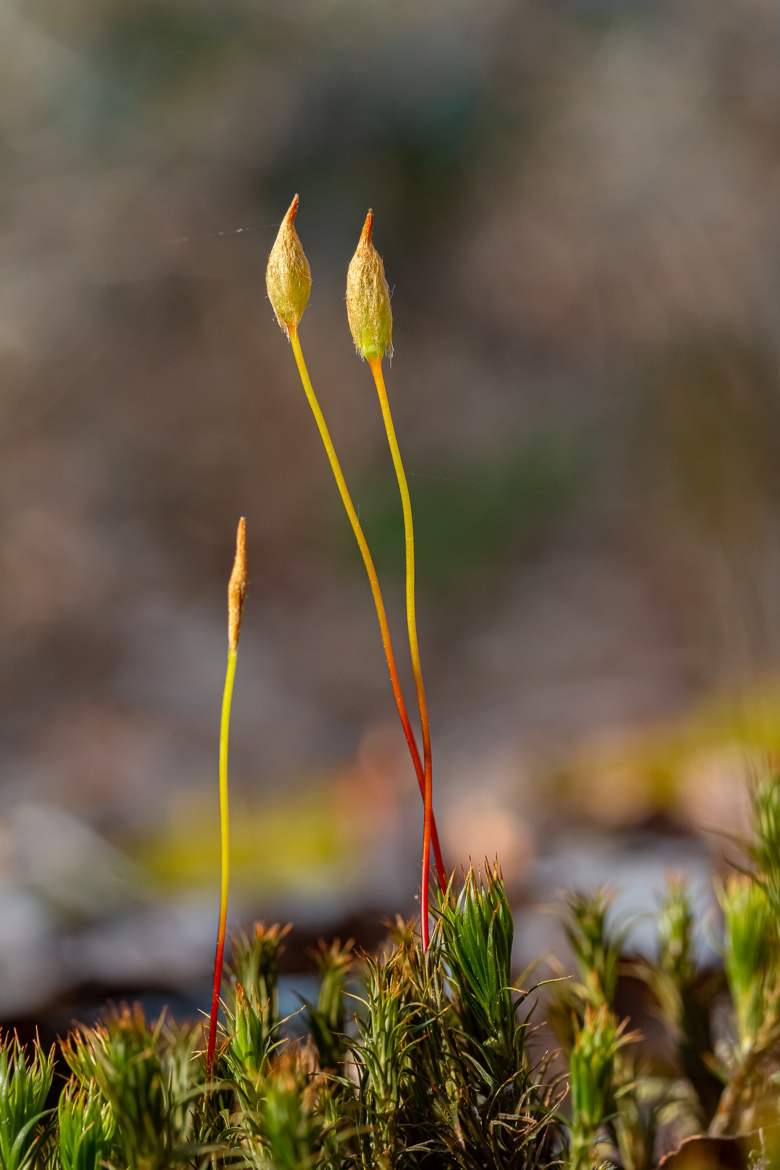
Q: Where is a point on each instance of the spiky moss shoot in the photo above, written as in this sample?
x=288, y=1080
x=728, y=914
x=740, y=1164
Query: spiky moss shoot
x=684, y=995
x=288, y=275
x=765, y=849
x=249, y=1034
x=591, y=1068
x=252, y=1010
x=125, y=1058
x=675, y=935
x=25, y=1081
x=368, y=298
x=254, y=963
x=327, y=1017
x=85, y=1128
x=596, y=947
x=290, y=1122
x=750, y=953
x=389, y=1030
x=477, y=932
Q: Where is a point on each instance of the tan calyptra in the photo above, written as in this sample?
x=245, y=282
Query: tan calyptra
x=288, y=275
x=368, y=299
x=237, y=587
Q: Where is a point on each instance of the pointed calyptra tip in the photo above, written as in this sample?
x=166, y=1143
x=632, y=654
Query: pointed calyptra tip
x=368, y=298
x=368, y=228
x=292, y=210
x=287, y=275
x=237, y=587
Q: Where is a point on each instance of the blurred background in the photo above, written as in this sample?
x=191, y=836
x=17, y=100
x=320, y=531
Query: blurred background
x=577, y=204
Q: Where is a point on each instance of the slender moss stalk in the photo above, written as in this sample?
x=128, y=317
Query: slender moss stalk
x=371, y=323
x=375, y=364
x=236, y=595
x=289, y=283
x=384, y=628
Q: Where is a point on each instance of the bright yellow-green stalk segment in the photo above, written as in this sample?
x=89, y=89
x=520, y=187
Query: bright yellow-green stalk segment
x=371, y=324
x=376, y=592
x=375, y=364
x=236, y=594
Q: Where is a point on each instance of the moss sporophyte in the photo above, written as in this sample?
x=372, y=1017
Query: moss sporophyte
x=288, y=281
x=236, y=594
x=371, y=324
x=438, y=1066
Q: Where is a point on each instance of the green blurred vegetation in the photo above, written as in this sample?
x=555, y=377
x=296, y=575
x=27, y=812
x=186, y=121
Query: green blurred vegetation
x=654, y=761
x=471, y=516
x=282, y=845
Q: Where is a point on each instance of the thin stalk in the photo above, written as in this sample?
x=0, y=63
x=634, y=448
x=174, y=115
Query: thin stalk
x=236, y=593
x=224, y=838
x=376, y=593
x=375, y=364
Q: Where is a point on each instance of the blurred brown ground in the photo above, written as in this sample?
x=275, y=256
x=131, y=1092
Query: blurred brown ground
x=577, y=206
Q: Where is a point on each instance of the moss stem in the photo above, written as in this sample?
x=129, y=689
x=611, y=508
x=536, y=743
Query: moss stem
x=376, y=593
x=224, y=838
x=375, y=364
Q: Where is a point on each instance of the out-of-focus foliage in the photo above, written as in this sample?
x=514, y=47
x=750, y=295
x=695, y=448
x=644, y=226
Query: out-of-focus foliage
x=417, y=1058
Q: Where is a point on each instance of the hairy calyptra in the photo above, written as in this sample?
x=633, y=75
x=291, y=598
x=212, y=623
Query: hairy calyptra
x=368, y=298
x=287, y=275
